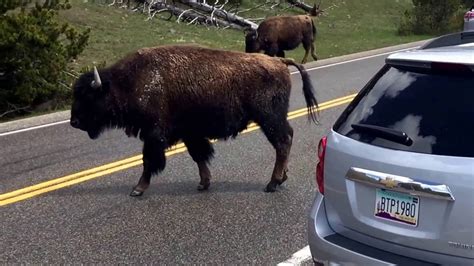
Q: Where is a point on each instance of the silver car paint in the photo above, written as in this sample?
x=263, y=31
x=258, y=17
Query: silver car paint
x=445, y=231
x=350, y=205
x=327, y=252
x=331, y=254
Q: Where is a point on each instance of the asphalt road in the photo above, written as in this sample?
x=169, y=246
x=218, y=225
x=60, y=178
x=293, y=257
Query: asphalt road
x=234, y=222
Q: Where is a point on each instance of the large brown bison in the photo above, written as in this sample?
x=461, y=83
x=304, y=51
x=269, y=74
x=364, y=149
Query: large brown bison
x=277, y=34
x=169, y=94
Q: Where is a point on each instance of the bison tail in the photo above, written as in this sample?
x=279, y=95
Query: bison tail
x=314, y=28
x=308, y=90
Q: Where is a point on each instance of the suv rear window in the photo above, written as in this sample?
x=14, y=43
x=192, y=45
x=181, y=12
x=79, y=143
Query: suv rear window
x=436, y=111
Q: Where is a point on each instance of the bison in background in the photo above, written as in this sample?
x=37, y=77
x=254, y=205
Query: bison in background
x=168, y=94
x=277, y=34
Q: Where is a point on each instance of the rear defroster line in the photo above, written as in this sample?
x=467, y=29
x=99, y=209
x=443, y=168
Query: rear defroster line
x=55, y=184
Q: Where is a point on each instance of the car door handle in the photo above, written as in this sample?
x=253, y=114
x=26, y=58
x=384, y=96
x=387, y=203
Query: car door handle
x=400, y=184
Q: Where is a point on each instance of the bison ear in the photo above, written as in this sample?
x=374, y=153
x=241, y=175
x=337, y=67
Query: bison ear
x=96, y=83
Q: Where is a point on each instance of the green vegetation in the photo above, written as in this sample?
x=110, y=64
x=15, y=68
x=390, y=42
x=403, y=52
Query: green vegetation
x=350, y=27
x=433, y=17
x=346, y=27
x=35, y=50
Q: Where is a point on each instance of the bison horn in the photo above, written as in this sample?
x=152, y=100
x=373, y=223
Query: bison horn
x=96, y=83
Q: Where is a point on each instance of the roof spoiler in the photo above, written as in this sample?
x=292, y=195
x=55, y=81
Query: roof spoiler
x=450, y=39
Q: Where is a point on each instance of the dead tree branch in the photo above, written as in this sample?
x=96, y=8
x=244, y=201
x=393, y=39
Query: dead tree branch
x=14, y=109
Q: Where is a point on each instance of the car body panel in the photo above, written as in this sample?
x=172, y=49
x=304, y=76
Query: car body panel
x=463, y=54
x=469, y=20
x=361, y=167
x=367, y=251
x=327, y=252
x=350, y=205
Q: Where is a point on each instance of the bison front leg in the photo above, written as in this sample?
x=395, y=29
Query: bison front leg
x=201, y=151
x=154, y=161
x=272, y=50
x=281, y=54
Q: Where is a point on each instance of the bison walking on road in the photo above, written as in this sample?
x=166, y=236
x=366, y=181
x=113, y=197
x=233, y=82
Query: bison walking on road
x=277, y=34
x=168, y=94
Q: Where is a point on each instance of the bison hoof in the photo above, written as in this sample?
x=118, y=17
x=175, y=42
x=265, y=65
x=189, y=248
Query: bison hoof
x=273, y=184
x=284, y=178
x=271, y=187
x=136, y=193
x=202, y=187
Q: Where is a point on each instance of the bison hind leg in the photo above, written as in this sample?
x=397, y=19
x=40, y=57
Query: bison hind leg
x=280, y=135
x=313, y=54
x=202, y=152
x=308, y=45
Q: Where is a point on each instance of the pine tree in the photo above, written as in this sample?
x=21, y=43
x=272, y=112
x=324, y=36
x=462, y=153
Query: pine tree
x=433, y=17
x=35, y=50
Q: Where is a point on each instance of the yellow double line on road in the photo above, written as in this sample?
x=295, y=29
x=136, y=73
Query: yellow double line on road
x=44, y=187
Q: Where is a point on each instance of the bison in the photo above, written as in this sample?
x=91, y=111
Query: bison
x=168, y=94
x=277, y=34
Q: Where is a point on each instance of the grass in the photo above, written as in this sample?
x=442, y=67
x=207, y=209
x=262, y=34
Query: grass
x=350, y=27
x=347, y=27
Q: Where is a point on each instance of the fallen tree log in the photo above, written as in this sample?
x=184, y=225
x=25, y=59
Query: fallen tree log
x=301, y=5
x=190, y=16
x=222, y=13
x=200, y=12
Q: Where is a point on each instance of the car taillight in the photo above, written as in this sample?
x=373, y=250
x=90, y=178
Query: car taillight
x=451, y=68
x=320, y=165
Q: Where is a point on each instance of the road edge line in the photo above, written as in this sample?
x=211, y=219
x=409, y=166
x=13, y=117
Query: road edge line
x=298, y=257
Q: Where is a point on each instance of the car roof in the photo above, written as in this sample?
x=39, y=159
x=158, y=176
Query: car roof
x=461, y=54
x=455, y=48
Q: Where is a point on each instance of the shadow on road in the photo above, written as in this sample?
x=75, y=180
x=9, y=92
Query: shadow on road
x=183, y=188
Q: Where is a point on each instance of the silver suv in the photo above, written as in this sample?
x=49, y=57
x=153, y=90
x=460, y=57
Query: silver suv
x=396, y=172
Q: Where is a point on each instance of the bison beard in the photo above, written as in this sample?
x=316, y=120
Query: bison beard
x=168, y=94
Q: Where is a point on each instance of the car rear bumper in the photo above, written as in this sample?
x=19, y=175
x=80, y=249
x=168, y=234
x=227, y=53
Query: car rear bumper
x=329, y=248
x=469, y=25
x=324, y=251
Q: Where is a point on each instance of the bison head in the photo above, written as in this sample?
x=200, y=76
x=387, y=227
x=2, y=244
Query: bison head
x=251, y=42
x=89, y=112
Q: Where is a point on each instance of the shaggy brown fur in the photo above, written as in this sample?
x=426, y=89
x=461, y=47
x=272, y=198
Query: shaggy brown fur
x=183, y=93
x=277, y=34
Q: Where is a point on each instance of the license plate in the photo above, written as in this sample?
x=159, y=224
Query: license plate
x=396, y=207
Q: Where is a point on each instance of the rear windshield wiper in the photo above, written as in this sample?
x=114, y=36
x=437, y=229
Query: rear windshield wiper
x=385, y=133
